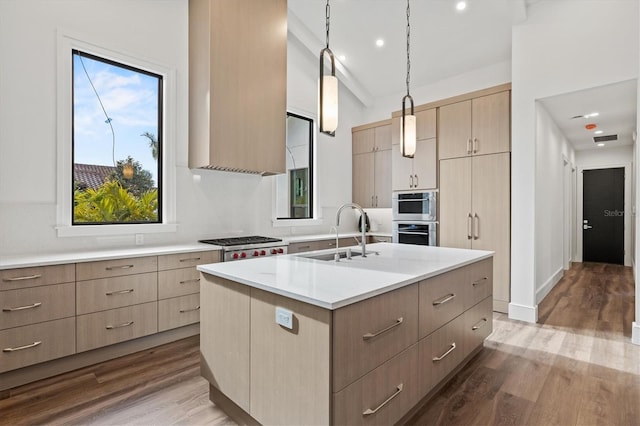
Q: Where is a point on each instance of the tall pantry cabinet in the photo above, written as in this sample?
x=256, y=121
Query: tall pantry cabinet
x=475, y=174
x=371, y=148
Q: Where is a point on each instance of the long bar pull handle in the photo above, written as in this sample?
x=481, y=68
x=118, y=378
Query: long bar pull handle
x=112, y=268
x=126, y=324
x=481, y=323
x=19, y=348
x=197, y=280
x=22, y=308
x=480, y=281
x=410, y=181
x=28, y=277
x=372, y=205
x=444, y=355
x=369, y=336
x=469, y=146
x=475, y=145
x=197, y=308
x=443, y=300
x=417, y=181
x=469, y=226
x=190, y=259
x=476, y=226
x=111, y=293
x=376, y=201
x=369, y=411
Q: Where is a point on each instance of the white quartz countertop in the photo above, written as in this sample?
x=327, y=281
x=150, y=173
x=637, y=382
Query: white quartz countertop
x=332, y=285
x=320, y=237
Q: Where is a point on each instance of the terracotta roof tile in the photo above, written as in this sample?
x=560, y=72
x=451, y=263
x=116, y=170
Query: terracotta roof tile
x=91, y=175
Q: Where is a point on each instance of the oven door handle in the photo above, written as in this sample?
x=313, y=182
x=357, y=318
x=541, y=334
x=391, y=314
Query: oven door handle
x=413, y=233
x=421, y=200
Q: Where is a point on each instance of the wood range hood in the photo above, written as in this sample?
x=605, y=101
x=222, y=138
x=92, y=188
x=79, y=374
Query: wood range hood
x=238, y=85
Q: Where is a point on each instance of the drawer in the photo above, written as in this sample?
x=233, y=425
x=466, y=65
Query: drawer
x=478, y=325
x=441, y=300
x=381, y=397
x=37, y=304
x=303, y=247
x=31, y=344
x=479, y=282
x=116, y=325
x=11, y=279
x=186, y=260
x=370, y=332
x=179, y=311
x=178, y=282
x=440, y=353
x=378, y=239
x=116, y=267
x=110, y=293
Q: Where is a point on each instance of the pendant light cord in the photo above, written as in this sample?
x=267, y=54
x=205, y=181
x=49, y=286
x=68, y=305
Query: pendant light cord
x=328, y=15
x=408, y=46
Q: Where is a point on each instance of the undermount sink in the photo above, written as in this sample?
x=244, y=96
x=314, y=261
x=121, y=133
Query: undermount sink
x=331, y=256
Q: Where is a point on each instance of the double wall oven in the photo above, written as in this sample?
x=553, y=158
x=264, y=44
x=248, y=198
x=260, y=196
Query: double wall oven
x=415, y=218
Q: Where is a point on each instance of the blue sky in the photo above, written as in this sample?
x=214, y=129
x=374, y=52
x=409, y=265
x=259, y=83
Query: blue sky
x=130, y=100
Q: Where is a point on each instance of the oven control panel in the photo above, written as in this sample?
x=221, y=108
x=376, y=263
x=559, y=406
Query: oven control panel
x=232, y=255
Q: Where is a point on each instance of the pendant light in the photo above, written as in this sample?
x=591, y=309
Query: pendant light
x=408, y=123
x=328, y=88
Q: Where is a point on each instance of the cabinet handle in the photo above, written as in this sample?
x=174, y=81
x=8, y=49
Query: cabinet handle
x=304, y=247
x=469, y=146
x=476, y=226
x=28, y=277
x=475, y=145
x=197, y=308
x=197, y=280
x=22, y=308
x=410, y=181
x=376, y=201
x=19, y=348
x=370, y=336
x=444, y=355
x=372, y=205
x=417, y=184
x=480, y=281
x=443, y=300
x=469, y=226
x=126, y=324
x=111, y=293
x=482, y=323
x=369, y=411
x=111, y=268
x=190, y=259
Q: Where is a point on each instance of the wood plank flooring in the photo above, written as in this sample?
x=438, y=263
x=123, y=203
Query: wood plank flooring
x=575, y=367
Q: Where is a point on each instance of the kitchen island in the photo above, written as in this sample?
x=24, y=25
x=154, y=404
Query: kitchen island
x=298, y=340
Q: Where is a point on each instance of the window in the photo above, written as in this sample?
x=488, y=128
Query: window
x=295, y=195
x=117, y=142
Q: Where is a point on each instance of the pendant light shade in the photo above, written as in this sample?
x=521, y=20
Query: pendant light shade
x=127, y=171
x=328, y=93
x=408, y=123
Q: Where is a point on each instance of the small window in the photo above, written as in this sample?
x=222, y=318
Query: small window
x=116, y=142
x=295, y=188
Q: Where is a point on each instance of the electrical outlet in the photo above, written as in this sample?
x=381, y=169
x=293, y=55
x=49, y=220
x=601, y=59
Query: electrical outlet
x=284, y=317
x=139, y=239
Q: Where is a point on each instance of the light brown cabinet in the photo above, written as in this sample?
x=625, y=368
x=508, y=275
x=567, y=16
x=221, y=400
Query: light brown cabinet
x=477, y=126
x=371, y=148
x=237, y=85
x=304, y=246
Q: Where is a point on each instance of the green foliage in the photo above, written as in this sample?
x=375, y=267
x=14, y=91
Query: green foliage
x=111, y=203
x=153, y=144
x=141, y=181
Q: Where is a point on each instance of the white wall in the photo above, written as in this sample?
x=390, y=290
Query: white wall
x=209, y=203
x=563, y=46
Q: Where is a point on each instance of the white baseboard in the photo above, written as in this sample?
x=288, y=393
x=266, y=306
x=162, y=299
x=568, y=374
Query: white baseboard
x=542, y=292
x=635, y=333
x=523, y=313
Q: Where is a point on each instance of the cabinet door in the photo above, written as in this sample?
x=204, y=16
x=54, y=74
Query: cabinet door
x=426, y=124
x=490, y=124
x=382, y=182
x=455, y=203
x=401, y=170
x=454, y=131
x=491, y=204
x=382, y=137
x=425, y=165
x=363, y=141
x=363, y=179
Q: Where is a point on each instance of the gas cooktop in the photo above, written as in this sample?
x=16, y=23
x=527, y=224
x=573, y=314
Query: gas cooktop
x=241, y=241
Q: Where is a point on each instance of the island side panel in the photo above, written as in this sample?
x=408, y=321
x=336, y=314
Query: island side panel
x=290, y=368
x=224, y=338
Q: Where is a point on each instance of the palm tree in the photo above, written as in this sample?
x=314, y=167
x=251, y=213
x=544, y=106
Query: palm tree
x=153, y=144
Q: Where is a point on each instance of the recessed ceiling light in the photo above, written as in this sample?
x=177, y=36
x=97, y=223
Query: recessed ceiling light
x=600, y=144
x=461, y=5
x=342, y=57
x=598, y=132
x=379, y=42
x=593, y=114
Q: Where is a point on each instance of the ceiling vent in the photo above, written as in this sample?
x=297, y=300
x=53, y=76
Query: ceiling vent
x=608, y=138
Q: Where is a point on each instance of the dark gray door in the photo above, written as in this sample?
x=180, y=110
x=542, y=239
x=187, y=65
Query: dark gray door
x=603, y=216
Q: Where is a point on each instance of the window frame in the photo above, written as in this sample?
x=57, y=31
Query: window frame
x=66, y=43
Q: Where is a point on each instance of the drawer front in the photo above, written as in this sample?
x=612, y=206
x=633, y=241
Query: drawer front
x=186, y=260
x=370, y=332
x=303, y=247
x=440, y=353
x=378, y=239
x=479, y=282
x=11, y=279
x=441, y=300
x=37, y=304
x=178, y=282
x=117, y=325
x=31, y=344
x=179, y=311
x=395, y=382
x=110, y=293
x=478, y=325
x=116, y=267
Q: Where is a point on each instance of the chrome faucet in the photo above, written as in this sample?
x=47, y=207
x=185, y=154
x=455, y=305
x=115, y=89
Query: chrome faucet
x=363, y=224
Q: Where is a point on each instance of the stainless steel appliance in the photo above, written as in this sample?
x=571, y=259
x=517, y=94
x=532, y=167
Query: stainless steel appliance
x=415, y=232
x=238, y=248
x=420, y=206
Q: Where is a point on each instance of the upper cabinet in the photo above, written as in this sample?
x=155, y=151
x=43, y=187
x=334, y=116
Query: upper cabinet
x=237, y=85
x=475, y=127
x=419, y=172
x=371, y=147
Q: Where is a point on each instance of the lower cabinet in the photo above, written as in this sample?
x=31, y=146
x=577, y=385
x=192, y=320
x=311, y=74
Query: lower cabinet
x=178, y=311
x=304, y=246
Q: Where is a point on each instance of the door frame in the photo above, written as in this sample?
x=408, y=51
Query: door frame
x=627, y=208
x=569, y=212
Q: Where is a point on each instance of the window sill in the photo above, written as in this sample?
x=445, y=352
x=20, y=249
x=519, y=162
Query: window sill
x=101, y=230
x=278, y=223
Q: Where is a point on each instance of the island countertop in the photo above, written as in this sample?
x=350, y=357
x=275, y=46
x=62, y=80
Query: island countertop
x=332, y=285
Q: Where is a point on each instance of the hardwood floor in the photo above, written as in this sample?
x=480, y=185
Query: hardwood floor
x=575, y=367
